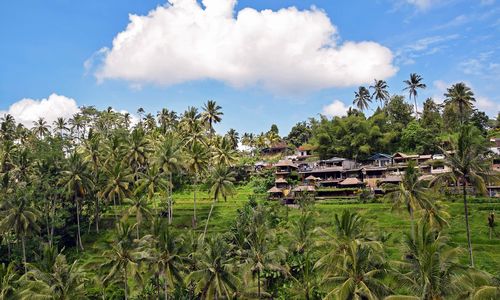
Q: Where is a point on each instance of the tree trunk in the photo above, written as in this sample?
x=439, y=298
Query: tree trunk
x=466, y=211
x=96, y=214
x=170, y=205
x=194, y=210
x=208, y=219
x=416, y=108
x=115, y=208
x=125, y=281
x=258, y=283
x=53, y=210
x=24, y=253
x=79, y=237
x=165, y=284
x=412, y=222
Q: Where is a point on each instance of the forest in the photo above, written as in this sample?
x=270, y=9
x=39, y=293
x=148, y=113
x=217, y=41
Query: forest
x=100, y=207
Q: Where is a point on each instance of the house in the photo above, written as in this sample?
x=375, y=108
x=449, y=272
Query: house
x=495, y=145
x=280, y=147
x=284, y=168
x=281, y=183
x=402, y=158
x=304, y=151
x=275, y=193
x=380, y=160
x=372, y=174
x=352, y=183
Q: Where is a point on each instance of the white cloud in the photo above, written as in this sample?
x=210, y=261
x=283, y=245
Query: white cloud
x=487, y=2
x=27, y=110
x=288, y=50
x=421, y=4
x=485, y=104
x=336, y=108
x=425, y=46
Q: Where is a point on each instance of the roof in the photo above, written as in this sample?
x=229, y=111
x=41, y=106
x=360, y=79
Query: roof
x=311, y=177
x=351, y=181
x=380, y=156
x=404, y=155
x=275, y=190
x=285, y=163
x=304, y=188
x=306, y=148
x=334, y=159
x=391, y=179
x=368, y=169
x=281, y=180
x=279, y=145
x=324, y=170
x=426, y=156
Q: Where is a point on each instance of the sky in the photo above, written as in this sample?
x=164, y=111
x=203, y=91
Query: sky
x=264, y=62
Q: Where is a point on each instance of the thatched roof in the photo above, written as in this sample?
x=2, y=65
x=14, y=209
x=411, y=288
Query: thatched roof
x=285, y=163
x=391, y=179
x=275, y=190
x=311, y=177
x=351, y=181
x=281, y=180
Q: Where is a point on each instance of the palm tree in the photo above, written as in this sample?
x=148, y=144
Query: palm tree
x=380, y=92
x=152, y=182
x=8, y=279
x=211, y=115
x=460, y=97
x=118, y=184
x=468, y=167
x=413, y=85
x=224, y=152
x=60, y=125
x=78, y=183
x=233, y=137
x=169, y=258
x=362, y=98
x=124, y=257
x=214, y=277
x=222, y=186
x=169, y=157
x=360, y=275
x=40, y=127
x=139, y=208
x=18, y=217
x=167, y=119
x=429, y=267
x=138, y=150
x=197, y=161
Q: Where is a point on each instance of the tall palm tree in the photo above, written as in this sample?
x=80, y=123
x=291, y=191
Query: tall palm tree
x=222, y=181
x=41, y=128
x=78, y=183
x=380, y=92
x=61, y=126
x=168, y=119
x=469, y=167
x=223, y=152
x=189, y=118
x=460, y=97
x=8, y=280
x=197, y=162
x=214, y=277
x=118, y=184
x=151, y=182
x=139, y=208
x=233, y=137
x=362, y=98
x=211, y=114
x=170, y=159
x=138, y=150
x=124, y=257
x=19, y=217
x=412, y=86
x=169, y=258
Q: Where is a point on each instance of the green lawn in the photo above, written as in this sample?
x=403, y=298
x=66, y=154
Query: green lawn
x=380, y=216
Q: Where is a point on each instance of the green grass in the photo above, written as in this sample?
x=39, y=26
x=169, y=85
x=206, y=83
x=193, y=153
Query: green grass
x=380, y=216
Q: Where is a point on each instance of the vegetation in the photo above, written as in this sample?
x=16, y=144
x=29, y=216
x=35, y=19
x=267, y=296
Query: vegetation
x=87, y=208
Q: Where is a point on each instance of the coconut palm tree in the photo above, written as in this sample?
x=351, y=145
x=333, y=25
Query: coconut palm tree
x=19, y=217
x=170, y=159
x=139, y=208
x=460, y=97
x=214, y=277
x=118, y=184
x=412, y=86
x=360, y=275
x=469, y=167
x=362, y=98
x=380, y=92
x=8, y=280
x=169, y=258
x=61, y=126
x=78, y=183
x=151, y=182
x=40, y=128
x=211, y=114
x=223, y=152
x=233, y=137
x=429, y=267
x=138, y=150
x=167, y=119
x=197, y=162
x=222, y=186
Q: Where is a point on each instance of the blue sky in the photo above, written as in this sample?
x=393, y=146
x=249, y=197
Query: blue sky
x=53, y=47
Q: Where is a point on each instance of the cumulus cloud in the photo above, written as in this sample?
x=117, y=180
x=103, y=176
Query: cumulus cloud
x=335, y=109
x=288, y=50
x=27, y=110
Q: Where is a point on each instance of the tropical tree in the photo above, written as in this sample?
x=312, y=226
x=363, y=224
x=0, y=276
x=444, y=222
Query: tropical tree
x=61, y=126
x=469, y=167
x=215, y=276
x=139, y=208
x=412, y=86
x=222, y=186
x=211, y=114
x=197, y=162
x=118, y=184
x=41, y=128
x=380, y=92
x=8, y=280
x=362, y=98
x=151, y=182
x=460, y=97
x=19, y=217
